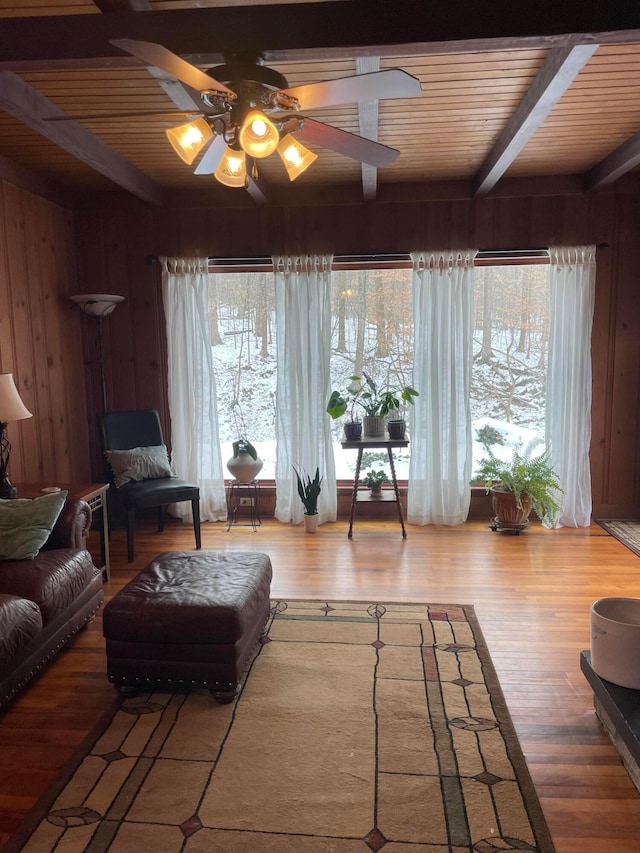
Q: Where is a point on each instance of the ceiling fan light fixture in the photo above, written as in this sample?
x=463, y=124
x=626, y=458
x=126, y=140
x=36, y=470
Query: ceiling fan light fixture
x=188, y=140
x=232, y=171
x=259, y=136
x=295, y=156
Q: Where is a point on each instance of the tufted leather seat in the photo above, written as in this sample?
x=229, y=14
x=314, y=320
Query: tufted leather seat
x=44, y=601
x=189, y=617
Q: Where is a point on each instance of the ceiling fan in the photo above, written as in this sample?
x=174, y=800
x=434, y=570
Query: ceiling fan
x=249, y=109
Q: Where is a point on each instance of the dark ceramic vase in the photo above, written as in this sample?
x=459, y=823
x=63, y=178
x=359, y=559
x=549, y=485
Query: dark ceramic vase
x=396, y=429
x=352, y=430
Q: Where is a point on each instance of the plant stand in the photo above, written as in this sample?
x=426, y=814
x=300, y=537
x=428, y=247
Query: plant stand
x=243, y=502
x=360, y=495
x=508, y=527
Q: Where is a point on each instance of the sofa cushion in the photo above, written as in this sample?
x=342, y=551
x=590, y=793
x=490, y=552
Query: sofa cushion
x=25, y=524
x=20, y=622
x=139, y=463
x=52, y=581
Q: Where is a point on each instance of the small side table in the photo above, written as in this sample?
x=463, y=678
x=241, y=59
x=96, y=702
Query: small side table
x=365, y=444
x=243, y=502
x=95, y=494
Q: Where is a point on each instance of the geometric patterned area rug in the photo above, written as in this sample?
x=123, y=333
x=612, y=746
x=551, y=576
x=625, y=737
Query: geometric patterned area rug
x=627, y=532
x=360, y=727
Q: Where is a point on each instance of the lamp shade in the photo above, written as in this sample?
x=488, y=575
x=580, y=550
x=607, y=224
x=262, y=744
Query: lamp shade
x=258, y=136
x=295, y=156
x=188, y=140
x=11, y=406
x=232, y=170
x=97, y=304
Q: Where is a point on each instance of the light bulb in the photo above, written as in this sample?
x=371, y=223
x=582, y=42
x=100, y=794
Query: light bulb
x=258, y=135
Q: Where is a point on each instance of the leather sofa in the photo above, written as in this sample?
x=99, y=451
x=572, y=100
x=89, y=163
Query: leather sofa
x=44, y=601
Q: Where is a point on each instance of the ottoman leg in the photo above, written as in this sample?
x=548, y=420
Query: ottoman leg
x=126, y=689
x=223, y=697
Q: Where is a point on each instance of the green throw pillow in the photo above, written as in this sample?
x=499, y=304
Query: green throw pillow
x=139, y=463
x=25, y=524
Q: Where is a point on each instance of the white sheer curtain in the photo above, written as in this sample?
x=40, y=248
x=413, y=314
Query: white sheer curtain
x=568, y=411
x=440, y=464
x=195, y=447
x=303, y=435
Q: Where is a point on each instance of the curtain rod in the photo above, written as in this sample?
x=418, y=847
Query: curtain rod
x=384, y=256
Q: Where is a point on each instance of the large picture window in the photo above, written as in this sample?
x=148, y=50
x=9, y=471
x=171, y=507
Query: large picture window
x=373, y=332
x=510, y=356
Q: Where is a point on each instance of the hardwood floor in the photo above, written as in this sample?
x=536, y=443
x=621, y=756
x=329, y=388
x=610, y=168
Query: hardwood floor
x=532, y=594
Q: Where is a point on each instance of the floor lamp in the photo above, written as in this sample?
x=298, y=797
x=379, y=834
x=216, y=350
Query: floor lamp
x=11, y=409
x=98, y=306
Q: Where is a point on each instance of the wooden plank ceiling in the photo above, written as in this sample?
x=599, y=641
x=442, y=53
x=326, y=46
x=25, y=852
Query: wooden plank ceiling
x=500, y=98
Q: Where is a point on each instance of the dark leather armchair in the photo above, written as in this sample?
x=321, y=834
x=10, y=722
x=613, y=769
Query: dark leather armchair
x=141, y=428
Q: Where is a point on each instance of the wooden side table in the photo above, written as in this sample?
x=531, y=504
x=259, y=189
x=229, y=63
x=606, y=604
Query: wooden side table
x=95, y=494
x=390, y=445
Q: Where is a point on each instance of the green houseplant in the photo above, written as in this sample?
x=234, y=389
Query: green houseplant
x=375, y=400
x=518, y=485
x=309, y=490
x=243, y=445
x=373, y=480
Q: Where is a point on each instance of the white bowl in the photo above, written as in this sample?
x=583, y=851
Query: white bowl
x=615, y=640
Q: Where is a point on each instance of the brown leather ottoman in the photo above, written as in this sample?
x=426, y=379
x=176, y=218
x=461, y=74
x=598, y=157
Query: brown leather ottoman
x=188, y=618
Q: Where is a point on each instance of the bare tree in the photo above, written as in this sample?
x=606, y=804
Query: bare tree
x=216, y=337
x=486, y=350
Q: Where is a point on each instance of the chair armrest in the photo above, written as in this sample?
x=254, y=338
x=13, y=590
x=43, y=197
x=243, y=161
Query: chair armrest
x=72, y=527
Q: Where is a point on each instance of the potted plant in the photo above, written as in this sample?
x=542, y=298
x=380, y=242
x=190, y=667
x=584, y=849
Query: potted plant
x=309, y=490
x=373, y=480
x=338, y=404
x=245, y=464
x=376, y=402
x=518, y=485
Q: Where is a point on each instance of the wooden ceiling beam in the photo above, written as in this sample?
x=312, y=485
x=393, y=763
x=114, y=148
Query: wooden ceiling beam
x=556, y=74
x=314, y=31
x=123, y=5
x=616, y=164
x=34, y=109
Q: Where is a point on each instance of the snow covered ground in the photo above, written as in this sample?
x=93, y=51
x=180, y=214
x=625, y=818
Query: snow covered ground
x=242, y=373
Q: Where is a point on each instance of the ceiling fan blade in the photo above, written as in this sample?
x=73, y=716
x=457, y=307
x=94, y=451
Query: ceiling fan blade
x=349, y=144
x=376, y=86
x=160, y=57
x=211, y=158
x=96, y=116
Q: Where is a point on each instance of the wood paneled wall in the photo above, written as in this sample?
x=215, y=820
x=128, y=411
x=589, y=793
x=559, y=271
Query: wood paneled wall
x=40, y=338
x=116, y=234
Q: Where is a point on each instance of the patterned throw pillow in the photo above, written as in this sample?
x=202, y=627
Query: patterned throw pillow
x=139, y=463
x=25, y=524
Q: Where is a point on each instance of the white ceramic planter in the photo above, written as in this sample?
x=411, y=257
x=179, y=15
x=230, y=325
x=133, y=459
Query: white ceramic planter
x=615, y=640
x=244, y=467
x=310, y=523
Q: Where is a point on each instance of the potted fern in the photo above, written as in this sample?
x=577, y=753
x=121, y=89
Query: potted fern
x=309, y=490
x=518, y=485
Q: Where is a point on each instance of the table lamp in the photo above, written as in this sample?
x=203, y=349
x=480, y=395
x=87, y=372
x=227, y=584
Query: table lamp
x=11, y=409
